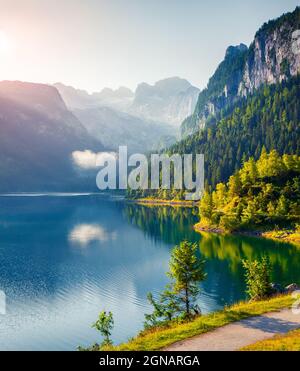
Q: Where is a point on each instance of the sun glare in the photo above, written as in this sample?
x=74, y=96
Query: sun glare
x=5, y=44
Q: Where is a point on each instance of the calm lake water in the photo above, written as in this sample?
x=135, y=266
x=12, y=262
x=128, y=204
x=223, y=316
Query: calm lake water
x=63, y=259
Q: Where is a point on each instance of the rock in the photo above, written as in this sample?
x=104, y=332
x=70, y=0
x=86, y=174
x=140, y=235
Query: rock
x=291, y=288
x=277, y=288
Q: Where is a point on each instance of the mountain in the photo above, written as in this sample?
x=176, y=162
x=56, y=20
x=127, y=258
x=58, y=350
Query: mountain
x=267, y=119
x=74, y=98
x=116, y=128
x=271, y=58
x=105, y=116
x=37, y=137
x=119, y=99
x=169, y=100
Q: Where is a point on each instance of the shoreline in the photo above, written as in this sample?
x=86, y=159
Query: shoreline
x=283, y=236
x=160, y=338
x=161, y=202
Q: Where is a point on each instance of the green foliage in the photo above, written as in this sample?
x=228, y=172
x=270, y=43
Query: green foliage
x=162, y=337
x=178, y=300
x=186, y=271
x=165, y=309
x=258, y=278
x=104, y=325
x=262, y=192
x=267, y=119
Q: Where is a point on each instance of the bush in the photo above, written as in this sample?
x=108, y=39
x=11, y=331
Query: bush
x=258, y=278
x=104, y=325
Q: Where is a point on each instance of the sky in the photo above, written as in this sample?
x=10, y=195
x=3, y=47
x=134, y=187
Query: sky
x=92, y=44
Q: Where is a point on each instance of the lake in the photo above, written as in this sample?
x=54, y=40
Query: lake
x=64, y=258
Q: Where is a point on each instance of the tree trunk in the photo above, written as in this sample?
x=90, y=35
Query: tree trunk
x=187, y=302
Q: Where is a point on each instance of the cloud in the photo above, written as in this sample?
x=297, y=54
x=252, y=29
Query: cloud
x=91, y=160
x=83, y=234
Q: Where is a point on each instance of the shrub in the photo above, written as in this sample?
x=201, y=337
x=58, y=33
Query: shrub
x=258, y=278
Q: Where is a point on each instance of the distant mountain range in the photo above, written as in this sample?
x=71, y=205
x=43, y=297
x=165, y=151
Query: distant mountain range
x=269, y=59
x=145, y=120
x=168, y=101
x=114, y=128
x=238, y=113
x=41, y=126
x=37, y=137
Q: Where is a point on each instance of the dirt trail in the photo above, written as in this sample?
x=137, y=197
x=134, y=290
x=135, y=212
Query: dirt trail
x=239, y=334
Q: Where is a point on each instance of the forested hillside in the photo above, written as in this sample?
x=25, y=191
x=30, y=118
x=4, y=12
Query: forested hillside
x=270, y=118
x=263, y=192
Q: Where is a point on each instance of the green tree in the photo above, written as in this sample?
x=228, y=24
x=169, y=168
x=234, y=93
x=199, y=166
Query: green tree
x=249, y=213
x=178, y=300
x=234, y=185
x=271, y=209
x=186, y=272
x=206, y=206
x=104, y=325
x=282, y=207
x=165, y=308
x=258, y=278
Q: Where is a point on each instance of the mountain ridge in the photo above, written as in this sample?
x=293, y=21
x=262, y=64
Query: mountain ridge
x=168, y=101
x=37, y=137
x=269, y=59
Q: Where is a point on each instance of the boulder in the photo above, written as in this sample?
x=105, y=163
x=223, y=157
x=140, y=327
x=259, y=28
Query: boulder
x=291, y=288
x=276, y=288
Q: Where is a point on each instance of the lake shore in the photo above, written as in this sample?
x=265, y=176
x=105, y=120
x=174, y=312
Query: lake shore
x=160, y=338
x=282, y=235
x=162, y=202
x=288, y=236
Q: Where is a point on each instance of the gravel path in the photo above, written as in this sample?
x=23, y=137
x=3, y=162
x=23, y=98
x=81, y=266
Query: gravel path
x=239, y=334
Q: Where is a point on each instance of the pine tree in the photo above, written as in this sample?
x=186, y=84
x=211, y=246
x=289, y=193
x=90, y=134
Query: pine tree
x=234, y=185
x=282, y=207
x=206, y=206
x=186, y=272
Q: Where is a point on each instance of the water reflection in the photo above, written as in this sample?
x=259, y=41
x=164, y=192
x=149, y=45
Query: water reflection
x=223, y=253
x=84, y=234
x=55, y=290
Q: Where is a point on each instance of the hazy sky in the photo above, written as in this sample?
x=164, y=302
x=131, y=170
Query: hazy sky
x=95, y=43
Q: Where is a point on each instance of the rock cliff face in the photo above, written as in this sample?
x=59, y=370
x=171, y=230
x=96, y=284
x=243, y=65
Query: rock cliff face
x=272, y=57
x=169, y=101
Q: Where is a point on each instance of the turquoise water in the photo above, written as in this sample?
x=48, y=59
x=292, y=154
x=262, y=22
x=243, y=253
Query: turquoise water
x=64, y=258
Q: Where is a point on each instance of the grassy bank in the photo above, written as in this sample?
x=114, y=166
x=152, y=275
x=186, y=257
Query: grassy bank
x=285, y=235
x=287, y=342
x=159, y=338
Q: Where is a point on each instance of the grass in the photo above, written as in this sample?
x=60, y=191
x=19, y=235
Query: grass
x=287, y=342
x=291, y=236
x=159, y=338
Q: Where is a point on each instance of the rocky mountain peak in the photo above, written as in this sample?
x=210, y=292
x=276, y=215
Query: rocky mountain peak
x=272, y=57
x=233, y=51
x=41, y=97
